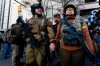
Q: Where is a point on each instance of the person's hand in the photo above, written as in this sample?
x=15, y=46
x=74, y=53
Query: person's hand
x=52, y=46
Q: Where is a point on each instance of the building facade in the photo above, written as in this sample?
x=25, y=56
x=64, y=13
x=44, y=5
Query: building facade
x=9, y=9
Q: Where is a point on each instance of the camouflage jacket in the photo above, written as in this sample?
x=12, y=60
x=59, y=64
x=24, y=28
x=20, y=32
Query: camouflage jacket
x=42, y=28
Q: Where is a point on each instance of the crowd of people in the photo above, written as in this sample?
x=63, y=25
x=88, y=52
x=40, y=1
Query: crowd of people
x=66, y=42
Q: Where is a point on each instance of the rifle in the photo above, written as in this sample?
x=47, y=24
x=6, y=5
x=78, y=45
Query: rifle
x=85, y=49
x=27, y=29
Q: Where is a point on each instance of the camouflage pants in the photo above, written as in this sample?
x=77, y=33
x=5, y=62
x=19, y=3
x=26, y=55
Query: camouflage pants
x=72, y=58
x=35, y=55
x=17, y=54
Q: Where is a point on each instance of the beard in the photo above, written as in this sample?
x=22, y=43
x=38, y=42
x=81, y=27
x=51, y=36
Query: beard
x=39, y=15
x=71, y=16
x=56, y=21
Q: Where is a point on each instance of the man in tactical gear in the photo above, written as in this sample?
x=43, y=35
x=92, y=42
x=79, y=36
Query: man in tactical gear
x=18, y=43
x=71, y=52
x=96, y=37
x=40, y=31
x=55, y=55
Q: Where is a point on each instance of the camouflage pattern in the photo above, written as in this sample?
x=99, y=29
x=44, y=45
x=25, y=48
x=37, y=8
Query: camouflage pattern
x=18, y=44
x=40, y=31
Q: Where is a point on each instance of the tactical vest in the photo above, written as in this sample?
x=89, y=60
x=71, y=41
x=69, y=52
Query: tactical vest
x=39, y=27
x=66, y=33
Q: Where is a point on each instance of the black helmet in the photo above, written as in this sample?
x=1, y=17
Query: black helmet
x=67, y=6
x=34, y=6
x=56, y=14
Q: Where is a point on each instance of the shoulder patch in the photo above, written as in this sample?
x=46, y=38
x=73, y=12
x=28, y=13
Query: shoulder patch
x=84, y=27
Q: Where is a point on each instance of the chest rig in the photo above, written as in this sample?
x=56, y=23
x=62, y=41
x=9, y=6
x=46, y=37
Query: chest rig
x=67, y=34
x=39, y=27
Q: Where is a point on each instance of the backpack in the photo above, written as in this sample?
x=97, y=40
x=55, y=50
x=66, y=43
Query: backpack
x=17, y=34
x=7, y=37
x=13, y=35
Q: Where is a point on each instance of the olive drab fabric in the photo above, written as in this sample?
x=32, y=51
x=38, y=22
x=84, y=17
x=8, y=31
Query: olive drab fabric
x=38, y=27
x=12, y=34
x=7, y=36
x=17, y=34
x=40, y=32
x=51, y=35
